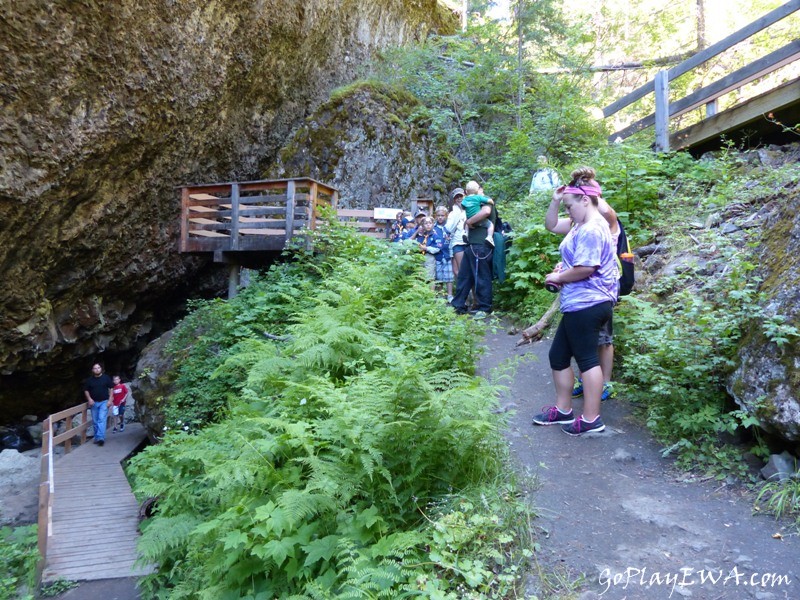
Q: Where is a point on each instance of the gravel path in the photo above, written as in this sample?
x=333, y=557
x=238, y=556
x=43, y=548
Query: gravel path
x=616, y=520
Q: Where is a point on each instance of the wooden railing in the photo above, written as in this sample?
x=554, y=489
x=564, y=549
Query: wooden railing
x=364, y=221
x=47, y=483
x=708, y=95
x=252, y=215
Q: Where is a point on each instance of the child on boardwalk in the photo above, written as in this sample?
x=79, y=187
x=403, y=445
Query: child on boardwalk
x=120, y=395
x=472, y=203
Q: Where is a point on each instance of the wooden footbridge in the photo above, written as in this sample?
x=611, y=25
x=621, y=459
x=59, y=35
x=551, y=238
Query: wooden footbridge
x=761, y=119
x=88, y=516
x=237, y=221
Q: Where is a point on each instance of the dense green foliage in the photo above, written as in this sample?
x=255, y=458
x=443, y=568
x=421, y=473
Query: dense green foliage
x=677, y=340
x=18, y=558
x=356, y=458
x=469, y=86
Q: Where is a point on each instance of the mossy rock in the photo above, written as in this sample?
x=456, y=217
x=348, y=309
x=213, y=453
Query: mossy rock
x=368, y=142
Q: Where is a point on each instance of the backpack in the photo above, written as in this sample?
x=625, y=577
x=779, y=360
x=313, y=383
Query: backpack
x=625, y=262
x=504, y=228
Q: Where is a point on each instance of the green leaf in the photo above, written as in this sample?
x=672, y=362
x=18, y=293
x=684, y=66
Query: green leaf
x=322, y=549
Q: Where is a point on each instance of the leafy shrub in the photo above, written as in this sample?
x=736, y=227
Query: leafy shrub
x=19, y=555
x=782, y=498
x=678, y=339
x=316, y=480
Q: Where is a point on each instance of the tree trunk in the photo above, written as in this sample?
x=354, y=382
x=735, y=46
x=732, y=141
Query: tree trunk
x=701, y=25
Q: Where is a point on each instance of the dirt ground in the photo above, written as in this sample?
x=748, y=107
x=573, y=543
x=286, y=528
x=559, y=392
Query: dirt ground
x=617, y=521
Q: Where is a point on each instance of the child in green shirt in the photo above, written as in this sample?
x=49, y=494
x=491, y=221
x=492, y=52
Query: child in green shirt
x=472, y=203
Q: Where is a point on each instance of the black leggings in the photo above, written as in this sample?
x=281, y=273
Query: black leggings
x=577, y=336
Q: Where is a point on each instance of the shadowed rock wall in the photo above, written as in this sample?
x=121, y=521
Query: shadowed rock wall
x=106, y=110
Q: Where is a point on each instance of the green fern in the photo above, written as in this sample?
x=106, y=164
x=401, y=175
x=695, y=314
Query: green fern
x=308, y=484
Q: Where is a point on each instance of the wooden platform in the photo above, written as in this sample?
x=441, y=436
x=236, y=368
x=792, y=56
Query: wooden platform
x=95, y=515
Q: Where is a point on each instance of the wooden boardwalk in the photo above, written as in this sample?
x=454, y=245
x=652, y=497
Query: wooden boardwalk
x=95, y=515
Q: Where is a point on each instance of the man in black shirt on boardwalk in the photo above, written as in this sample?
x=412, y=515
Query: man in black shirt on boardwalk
x=98, y=390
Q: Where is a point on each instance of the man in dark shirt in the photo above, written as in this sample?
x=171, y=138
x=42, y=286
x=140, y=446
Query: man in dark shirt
x=476, y=266
x=98, y=390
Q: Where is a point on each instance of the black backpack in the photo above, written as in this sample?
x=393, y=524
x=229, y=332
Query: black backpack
x=625, y=262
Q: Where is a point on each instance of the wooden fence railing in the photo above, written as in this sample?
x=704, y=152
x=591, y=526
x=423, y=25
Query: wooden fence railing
x=46, y=483
x=251, y=215
x=708, y=95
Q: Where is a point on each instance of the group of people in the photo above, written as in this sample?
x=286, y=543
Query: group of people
x=458, y=245
x=102, y=391
x=588, y=281
x=466, y=230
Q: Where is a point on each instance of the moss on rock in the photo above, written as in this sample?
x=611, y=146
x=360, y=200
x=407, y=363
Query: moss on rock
x=367, y=141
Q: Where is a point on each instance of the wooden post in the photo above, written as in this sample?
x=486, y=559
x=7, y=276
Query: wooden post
x=233, y=279
x=84, y=421
x=290, y=203
x=44, y=488
x=184, y=219
x=234, y=222
x=67, y=442
x=313, y=201
x=662, y=111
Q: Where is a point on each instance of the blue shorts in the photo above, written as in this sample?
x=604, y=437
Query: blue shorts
x=458, y=249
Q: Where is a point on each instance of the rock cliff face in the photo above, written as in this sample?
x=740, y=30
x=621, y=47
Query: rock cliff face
x=767, y=381
x=373, y=143
x=106, y=111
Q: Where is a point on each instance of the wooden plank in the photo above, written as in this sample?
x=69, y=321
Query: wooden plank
x=364, y=224
x=87, y=545
x=68, y=413
x=710, y=52
x=74, y=550
x=202, y=209
x=205, y=233
x=203, y=221
x=202, y=196
x=748, y=114
x=265, y=231
x=271, y=199
x=262, y=210
x=354, y=212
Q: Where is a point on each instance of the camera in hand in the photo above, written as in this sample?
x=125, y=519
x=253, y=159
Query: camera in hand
x=552, y=287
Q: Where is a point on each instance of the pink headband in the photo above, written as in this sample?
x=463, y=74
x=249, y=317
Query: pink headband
x=589, y=189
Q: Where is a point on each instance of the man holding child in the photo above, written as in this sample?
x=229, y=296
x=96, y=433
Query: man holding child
x=475, y=273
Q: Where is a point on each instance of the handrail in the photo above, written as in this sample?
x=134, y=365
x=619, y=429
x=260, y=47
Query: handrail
x=703, y=56
x=250, y=215
x=47, y=486
x=660, y=84
x=758, y=68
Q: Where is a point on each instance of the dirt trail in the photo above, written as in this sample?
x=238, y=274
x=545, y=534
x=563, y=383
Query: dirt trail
x=614, y=512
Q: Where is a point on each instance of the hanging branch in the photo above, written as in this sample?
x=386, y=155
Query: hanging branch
x=534, y=332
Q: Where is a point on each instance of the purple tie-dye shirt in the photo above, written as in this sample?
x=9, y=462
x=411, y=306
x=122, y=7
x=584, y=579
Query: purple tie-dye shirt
x=589, y=245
